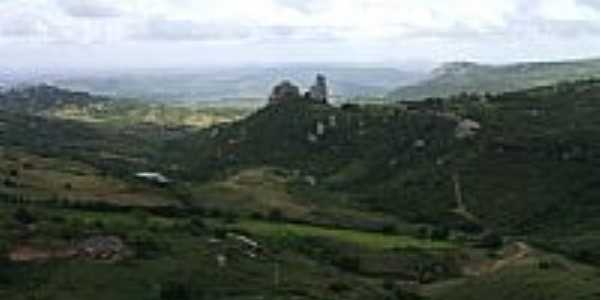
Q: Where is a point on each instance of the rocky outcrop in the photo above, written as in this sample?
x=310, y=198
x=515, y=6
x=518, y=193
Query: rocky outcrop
x=102, y=248
x=285, y=91
x=99, y=248
x=466, y=129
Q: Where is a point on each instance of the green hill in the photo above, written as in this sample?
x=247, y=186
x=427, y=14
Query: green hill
x=455, y=78
x=405, y=161
x=35, y=99
x=459, y=198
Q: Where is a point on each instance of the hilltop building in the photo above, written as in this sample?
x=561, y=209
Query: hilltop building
x=286, y=91
x=319, y=91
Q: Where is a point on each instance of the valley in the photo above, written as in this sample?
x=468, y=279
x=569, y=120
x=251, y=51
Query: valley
x=440, y=199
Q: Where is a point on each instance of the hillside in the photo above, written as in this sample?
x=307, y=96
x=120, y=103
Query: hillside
x=455, y=78
x=422, y=200
x=404, y=160
x=35, y=99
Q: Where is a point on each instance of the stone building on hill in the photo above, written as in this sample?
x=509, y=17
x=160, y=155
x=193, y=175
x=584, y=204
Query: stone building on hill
x=286, y=91
x=319, y=91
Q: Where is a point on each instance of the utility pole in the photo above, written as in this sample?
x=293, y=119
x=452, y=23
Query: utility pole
x=458, y=192
x=277, y=275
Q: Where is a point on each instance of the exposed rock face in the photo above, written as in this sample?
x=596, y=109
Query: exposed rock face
x=102, y=248
x=332, y=121
x=319, y=91
x=24, y=254
x=320, y=128
x=283, y=92
x=467, y=129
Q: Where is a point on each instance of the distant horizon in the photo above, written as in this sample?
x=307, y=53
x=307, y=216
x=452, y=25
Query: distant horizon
x=397, y=65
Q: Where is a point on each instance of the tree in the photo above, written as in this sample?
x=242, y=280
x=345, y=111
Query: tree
x=276, y=214
x=174, y=290
x=146, y=245
x=491, y=240
x=24, y=216
x=440, y=233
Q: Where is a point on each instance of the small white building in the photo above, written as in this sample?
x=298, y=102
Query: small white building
x=153, y=177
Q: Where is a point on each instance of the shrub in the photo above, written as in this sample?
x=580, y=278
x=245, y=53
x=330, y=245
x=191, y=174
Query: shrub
x=174, y=290
x=423, y=232
x=215, y=213
x=350, y=106
x=348, y=263
x=231, y=217
x=99, y=224
x=10, y=183
x=276, y=214
x=197, y=226
x=405, y=295
x=220, y=233
x=339, y=287
x=257, y=216
x=389, y=229
x=73, y=228
x=491, y=240
x=24, y=216
x=141, y=217
x=544, y=265
x=146, y=245
x=440, y=233
x=388, y=284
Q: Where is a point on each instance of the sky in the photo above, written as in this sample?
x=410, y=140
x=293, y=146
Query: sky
x=180, y=33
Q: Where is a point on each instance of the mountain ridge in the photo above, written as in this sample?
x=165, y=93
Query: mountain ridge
x=468, y=77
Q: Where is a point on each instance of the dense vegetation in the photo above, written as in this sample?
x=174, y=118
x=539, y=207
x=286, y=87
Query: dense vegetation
x=409, y=200
x=403, y=160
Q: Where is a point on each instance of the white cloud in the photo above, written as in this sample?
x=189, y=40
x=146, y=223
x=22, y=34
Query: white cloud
x=567, y=10
x=178, y=30
x=349, y=19
x=404, y=26
x=91, y=9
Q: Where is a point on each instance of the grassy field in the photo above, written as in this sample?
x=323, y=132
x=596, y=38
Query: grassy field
x=180, y=258
x=130, y=113
x=259, y=190
x=559, y=281
x=369, y=240
x=39, y=178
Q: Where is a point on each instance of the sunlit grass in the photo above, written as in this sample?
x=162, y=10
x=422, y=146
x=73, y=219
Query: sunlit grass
x=376, y=241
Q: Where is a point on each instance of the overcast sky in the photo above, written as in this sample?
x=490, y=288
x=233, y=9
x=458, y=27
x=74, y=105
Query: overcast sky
x=165, y=33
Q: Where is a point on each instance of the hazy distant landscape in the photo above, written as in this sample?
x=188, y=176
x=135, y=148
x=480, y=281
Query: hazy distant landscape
x=249, y=86
x=227, y=83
